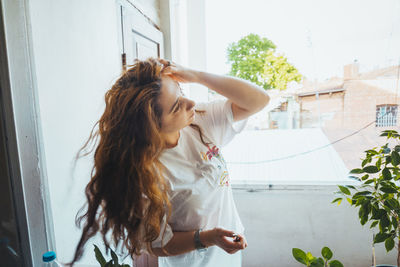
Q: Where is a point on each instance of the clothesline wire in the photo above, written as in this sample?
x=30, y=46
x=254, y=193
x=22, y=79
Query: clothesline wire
x=305, y=152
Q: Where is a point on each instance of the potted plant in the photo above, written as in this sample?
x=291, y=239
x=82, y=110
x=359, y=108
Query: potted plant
x=378, y=195
x=113, y=262
x=310, y=261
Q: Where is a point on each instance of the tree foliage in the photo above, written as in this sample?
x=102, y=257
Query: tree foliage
x=254, y=58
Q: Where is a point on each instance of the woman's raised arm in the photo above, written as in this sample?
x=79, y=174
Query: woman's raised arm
x=247, y=98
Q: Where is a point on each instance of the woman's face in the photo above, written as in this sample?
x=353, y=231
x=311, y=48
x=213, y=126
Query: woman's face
x=177, y=110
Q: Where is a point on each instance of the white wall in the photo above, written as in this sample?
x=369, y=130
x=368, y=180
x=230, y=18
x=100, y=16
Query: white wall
x=77, y=58
x=278, y=220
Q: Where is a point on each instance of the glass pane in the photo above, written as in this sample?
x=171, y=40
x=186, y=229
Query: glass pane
x=10, y=251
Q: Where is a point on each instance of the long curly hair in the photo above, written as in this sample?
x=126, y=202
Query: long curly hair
x=127, y=174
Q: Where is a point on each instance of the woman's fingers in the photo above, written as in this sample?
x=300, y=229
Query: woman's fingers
x=229, y=241
x=242, y=240
x=165, y=62
x=230, y=244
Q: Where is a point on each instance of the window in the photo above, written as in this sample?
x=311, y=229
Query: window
x=313, y=131
x=386, y=115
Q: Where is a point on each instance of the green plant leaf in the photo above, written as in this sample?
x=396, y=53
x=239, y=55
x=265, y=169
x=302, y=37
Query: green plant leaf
x=364, y=177
x=371, y=169
x=364, y=162
x=386, y=174
x=99, y=256
x=364, y=212
x=392, y=203
x=374, y=224
x=115, y=258
x=362, y=193
x=370, y=181
x=344, y=190
x=387, y=189
x=378, y=163
x=380, y=237
x=335, y=263
x=371, y=151
x=326, y=253
x=317, y=263
x=109, y=264
x=385, y=221
x=356, y=171
x=389, y=244
x=377, y=213
x=299, y=255
x=395, y=158
x=337, y=199
x=395, y=223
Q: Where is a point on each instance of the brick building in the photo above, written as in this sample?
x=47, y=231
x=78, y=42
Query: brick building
x=341, y=106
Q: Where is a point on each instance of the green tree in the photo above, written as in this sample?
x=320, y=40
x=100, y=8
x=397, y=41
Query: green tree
x=253, y=58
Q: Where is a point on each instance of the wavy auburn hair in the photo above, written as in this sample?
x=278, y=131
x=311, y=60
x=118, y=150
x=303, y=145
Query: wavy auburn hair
x=126, y=172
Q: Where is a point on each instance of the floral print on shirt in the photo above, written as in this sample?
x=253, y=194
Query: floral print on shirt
x=213, y=152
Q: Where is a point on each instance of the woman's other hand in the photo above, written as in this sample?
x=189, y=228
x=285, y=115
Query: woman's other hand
x=240, y=239
x=178, y=72
x=225, y=239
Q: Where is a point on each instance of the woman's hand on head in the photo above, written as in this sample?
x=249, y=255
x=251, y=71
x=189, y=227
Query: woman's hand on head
x=178, y=72
x=225, y=240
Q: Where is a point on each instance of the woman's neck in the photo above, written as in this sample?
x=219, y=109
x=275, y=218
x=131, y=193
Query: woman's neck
x=171, y=140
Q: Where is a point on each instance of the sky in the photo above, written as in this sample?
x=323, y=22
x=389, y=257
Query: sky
x=318, y=37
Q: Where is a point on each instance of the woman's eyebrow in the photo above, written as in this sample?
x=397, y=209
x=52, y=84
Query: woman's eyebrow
x=172, y=108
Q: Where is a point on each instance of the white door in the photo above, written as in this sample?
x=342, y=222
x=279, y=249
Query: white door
x=139, y=37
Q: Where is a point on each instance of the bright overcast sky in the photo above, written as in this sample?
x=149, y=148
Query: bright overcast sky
x=317, y=36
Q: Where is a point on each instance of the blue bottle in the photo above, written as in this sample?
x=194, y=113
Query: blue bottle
x=49, y=260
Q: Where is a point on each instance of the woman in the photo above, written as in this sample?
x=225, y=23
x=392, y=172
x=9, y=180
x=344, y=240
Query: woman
x=159, y=182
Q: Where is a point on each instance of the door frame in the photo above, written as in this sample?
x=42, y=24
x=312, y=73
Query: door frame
x=20, y=117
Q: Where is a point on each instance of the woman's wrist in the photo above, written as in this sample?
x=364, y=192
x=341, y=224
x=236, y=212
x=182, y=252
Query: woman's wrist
x=207, y=238
x=197, y=76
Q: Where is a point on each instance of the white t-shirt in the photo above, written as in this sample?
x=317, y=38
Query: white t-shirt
x=201, y=195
